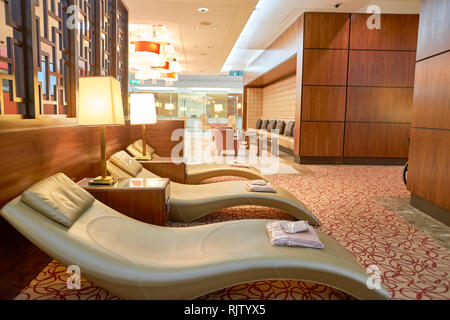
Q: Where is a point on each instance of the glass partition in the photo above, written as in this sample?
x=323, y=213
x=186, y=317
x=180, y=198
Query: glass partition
x=180, y=104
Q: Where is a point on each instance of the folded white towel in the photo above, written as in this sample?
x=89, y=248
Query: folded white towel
x=278, y=237
x=295, y=226
x=258, y=182
x=256, y=188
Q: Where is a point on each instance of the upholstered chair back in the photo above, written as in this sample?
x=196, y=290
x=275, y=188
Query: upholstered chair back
x=272, y=125
x=281, y=125
x=289, y=131
x=265, y=124
x=232, y=121
x=224, y=138
x=259, y=124
x=204, y=119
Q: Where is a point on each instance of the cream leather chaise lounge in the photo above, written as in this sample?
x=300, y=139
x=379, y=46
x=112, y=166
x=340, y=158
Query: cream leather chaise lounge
x=191, y=202
x=195, y=173
x=135, y=260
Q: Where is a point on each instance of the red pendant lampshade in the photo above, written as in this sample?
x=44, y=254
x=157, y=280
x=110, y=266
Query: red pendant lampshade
x=164, y=67
x=147, y=46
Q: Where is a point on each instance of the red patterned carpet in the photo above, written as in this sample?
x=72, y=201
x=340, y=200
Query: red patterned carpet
x=413, y=266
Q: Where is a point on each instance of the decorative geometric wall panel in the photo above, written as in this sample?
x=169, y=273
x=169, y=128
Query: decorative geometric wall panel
x=63, y=45
x=122, y=51
x=53, y=53
x=87, y=37
x=11, y=59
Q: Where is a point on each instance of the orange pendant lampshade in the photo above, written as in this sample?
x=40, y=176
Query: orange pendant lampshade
x=147, y=46
x=163, y=67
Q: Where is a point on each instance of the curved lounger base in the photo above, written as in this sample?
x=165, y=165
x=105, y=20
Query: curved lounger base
x=196, y=173
x=191, y=202
x=183, y=263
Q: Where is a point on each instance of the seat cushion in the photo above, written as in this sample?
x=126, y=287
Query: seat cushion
x=265, y=124
x=272, y=125
x=259, y=124
x=125, y=162
x=281, y=125
x=58, y=198
x=289, y=131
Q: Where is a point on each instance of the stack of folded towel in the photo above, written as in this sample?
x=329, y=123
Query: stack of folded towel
x=260, y=186
x=239, y=164
x=293, y=234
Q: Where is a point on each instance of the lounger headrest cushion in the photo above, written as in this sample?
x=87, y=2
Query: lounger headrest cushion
x=131, y=149
x=125, y=162
x=59, y=198
x=139, y=145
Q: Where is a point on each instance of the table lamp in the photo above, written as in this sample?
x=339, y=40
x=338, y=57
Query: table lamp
x=143, y=112
x=100, y=104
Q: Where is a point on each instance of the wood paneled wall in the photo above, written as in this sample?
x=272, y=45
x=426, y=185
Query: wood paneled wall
x=281, y=50
x=279, y=100
x=158, y=136
x=380, y=86
x=354, y=86
x=28, y=156
x=254, y=106
x=324, y=81
x=429, y=156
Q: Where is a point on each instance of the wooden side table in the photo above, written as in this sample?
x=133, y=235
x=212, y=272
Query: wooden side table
x=167, y=167
x=143, y=199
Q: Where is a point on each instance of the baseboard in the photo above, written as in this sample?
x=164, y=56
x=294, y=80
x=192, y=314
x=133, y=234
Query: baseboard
x=320, y=160
x=283, y=149
x=287, y=150
x=433, y=210
x=351, y=161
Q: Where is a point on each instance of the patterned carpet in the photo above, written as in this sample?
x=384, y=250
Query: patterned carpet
x=413, y=266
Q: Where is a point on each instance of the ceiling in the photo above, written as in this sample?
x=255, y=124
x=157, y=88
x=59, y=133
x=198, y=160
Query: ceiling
x=271, y=18
x=239, y=30
x=202, y=40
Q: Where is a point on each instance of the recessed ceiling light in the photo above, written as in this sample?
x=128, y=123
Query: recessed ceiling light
x=202, y=9
x=196, y=27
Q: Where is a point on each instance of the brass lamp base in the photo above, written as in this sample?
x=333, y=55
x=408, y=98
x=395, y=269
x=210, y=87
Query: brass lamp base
x=143, y=158
x=102, y=181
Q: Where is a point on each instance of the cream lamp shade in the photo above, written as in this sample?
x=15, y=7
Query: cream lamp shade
x=142, y=108
x=169, y=106
x=100, y=101
x=218, y=108
x=239, y=106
